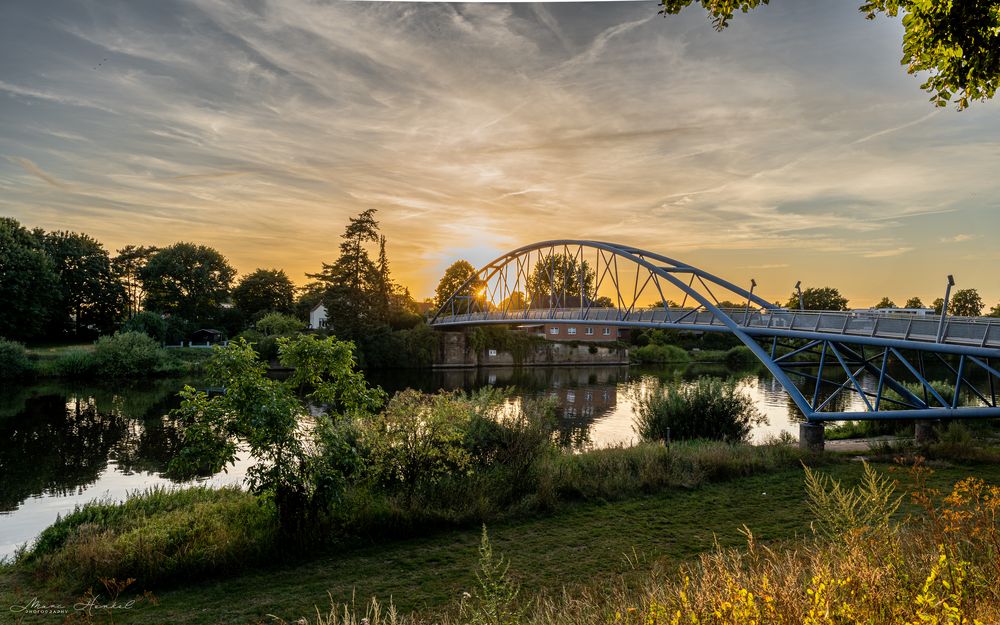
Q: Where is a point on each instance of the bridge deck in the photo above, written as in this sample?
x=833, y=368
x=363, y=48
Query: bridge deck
x=970, y=332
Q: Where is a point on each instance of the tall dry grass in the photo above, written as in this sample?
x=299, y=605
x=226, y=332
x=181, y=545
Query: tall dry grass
x=861, y=567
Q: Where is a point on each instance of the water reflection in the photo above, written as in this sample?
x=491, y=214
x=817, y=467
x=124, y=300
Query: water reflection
x=69, y=444
x=66, y=444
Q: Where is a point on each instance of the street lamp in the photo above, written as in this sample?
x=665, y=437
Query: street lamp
x=944, y=307
x=798, y=289
x=746, y=313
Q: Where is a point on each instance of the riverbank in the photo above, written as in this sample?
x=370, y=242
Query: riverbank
x=123, y=357
x=589, y=544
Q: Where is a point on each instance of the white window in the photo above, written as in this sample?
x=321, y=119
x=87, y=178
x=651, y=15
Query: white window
x=589, y=332
x=493, y=353
x=553, y=330
x=607, y=331
x=571, y=331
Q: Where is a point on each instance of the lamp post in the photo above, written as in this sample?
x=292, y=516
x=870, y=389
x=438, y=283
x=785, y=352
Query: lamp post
x=944, y=307
x=746, y=313
x=798, y=289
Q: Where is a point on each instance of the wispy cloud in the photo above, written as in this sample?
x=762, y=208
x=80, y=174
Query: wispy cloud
x=477, y=126
x=896, y=251
x=959, y=238
x=33, y=169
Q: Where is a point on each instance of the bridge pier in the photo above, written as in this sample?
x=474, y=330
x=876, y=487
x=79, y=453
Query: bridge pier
x=811, y=436
x=923, y=432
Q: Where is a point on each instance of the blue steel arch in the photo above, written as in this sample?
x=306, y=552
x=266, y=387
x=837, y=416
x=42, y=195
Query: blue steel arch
x=806, y=339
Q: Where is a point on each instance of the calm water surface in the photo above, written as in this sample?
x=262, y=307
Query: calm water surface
x=66, y=444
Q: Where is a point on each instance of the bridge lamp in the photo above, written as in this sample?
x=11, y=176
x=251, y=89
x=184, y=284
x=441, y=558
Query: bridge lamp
x=746, y=313
x=944, y=307
x=798, y=289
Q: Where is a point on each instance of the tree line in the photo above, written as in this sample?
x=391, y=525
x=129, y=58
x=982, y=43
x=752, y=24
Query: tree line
x=63, y=285
x=962, y=303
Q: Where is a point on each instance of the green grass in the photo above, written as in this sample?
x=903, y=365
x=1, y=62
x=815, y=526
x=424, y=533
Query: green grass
x=585, y=543
x=54, y=351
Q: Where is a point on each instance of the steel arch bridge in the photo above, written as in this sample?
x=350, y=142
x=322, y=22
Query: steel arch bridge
x=601, y=284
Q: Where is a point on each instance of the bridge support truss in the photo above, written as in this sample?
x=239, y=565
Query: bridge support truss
x=820, y=358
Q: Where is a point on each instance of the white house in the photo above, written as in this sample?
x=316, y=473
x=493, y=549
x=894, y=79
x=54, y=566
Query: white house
x=317, y=317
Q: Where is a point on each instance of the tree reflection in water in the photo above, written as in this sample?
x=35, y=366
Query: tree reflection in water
x=59, y=438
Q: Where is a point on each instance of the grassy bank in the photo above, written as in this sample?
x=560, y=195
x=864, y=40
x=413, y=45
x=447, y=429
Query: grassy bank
x=589, y=544
x=109, y=358
x=163, y=538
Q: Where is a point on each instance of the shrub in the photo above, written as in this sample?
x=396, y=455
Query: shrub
x=74, y=363
x=278, y=324
x=149, y=323
x=127, y=354
x=740, y=358
x=419, y=437
x=14, y=362
x=660, y=353
x=265, y=346
x=514, y=438
x=709, y=408
x=301, y=467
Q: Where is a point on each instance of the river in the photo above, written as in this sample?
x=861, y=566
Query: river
x=66, y=444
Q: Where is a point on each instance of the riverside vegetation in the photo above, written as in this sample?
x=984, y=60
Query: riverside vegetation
x=358, y=470
x=351, y=470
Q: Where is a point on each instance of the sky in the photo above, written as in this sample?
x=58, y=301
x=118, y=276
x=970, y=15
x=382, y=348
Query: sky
x=792, y=146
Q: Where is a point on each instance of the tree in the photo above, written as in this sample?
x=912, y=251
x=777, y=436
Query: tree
x=264, y=291
x=187, y=280
x=885, y=302
x=452, y=280
x=822, y=298
x=557, y=278
x=995, y=311
x=352, y=285
x=304, y=456
x=966, y=303
x=937, y=305
x=127, y=266
x=89, y=296
x=28, y=282
x=514, y=302
x=914, y=302
x=958, y=43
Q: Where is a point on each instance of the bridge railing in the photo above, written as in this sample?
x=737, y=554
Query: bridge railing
x=973, y=331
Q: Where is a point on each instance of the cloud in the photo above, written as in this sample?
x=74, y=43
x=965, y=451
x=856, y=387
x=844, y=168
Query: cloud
x=893, y=129
x=37, y=171
x=888, y=253
x=480, y=126
x=959, y=238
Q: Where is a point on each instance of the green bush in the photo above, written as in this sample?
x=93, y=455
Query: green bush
x=149, y=323
x=127, y=354
x=419, y=437
x=740, y=358
x=278, y=324
x=14, y=362
x=660, y=353
x=708, y=408
x=499, y=435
